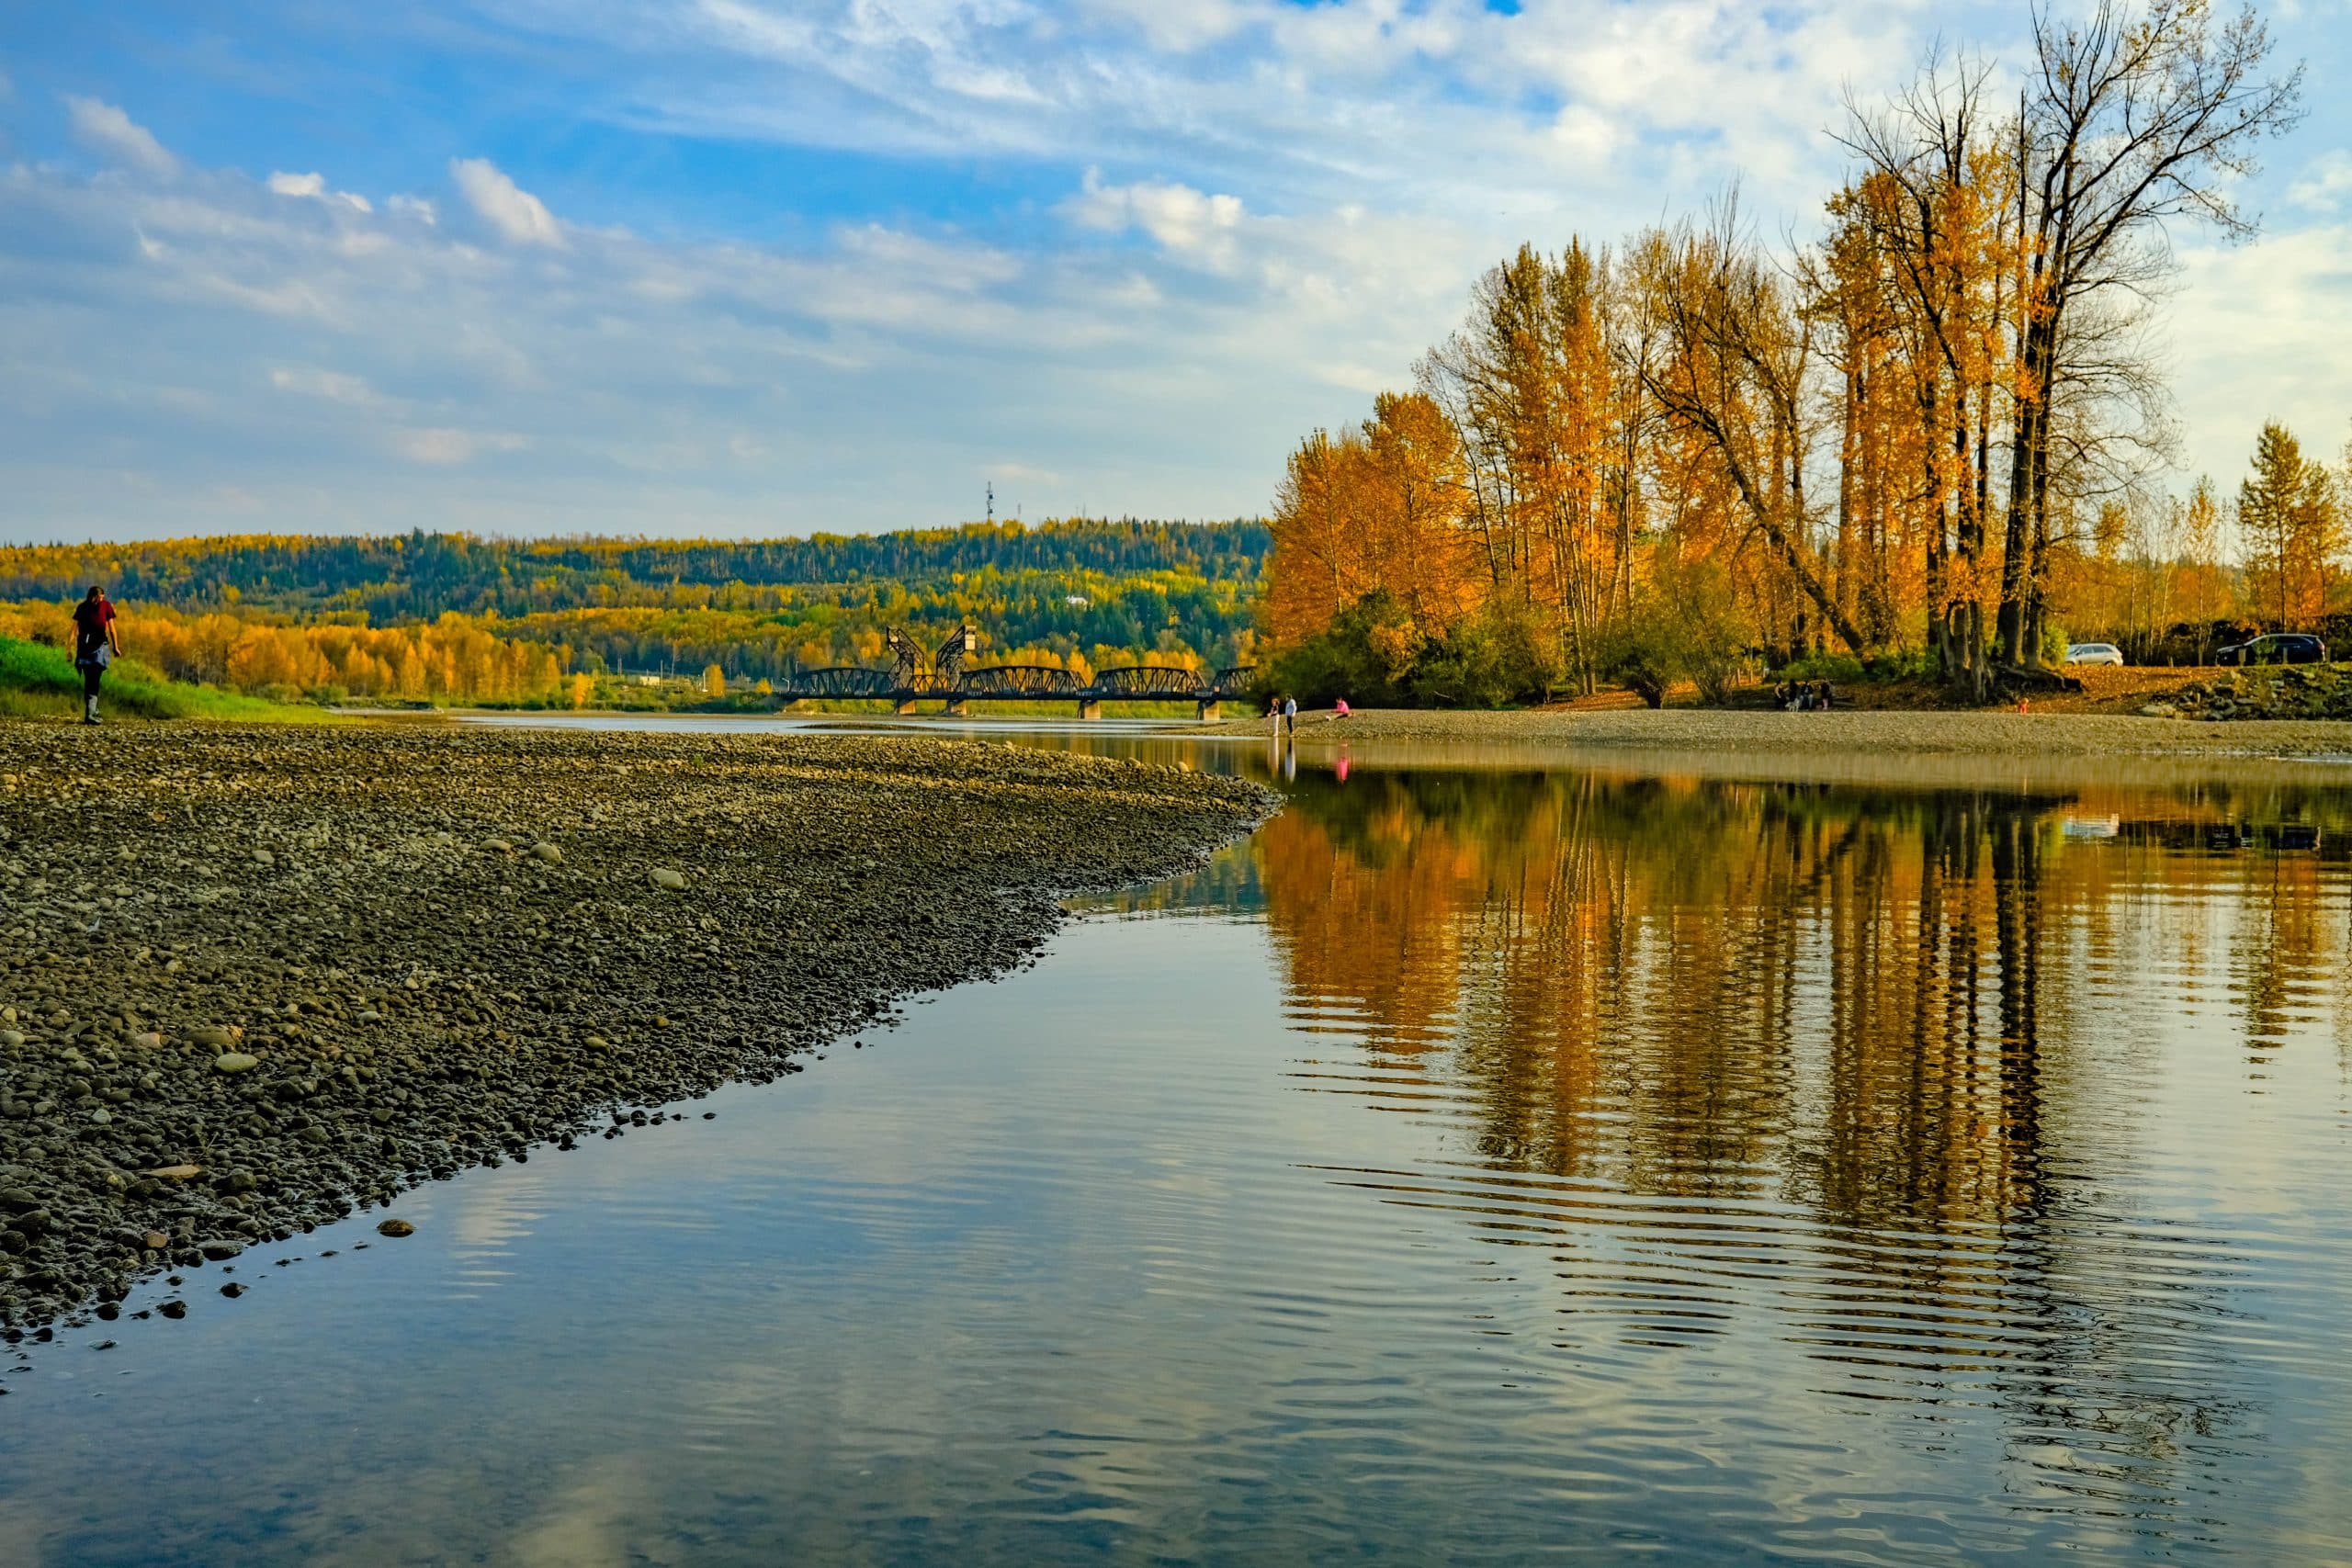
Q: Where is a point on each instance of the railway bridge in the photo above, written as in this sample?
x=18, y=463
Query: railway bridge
x=915, y=676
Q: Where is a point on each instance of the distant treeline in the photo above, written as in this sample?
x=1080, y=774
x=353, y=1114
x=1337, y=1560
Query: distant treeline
x=448, y=617
x=417, y=576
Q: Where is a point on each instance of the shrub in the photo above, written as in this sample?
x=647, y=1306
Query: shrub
x=1377, y=655
x=1837, y=669
x=1503, y=654
x=1684, y=625
x=1364, y=656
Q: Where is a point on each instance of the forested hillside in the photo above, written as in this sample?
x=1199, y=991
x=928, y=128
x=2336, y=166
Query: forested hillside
x=447, y=616
x=418, y=575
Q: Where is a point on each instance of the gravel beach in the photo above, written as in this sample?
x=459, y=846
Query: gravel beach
x=252, y=979
x=1880, y=732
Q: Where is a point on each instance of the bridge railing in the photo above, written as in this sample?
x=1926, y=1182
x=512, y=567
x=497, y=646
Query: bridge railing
x=944, y=676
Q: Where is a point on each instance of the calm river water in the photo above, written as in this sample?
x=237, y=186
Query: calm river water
x=1482, y=1163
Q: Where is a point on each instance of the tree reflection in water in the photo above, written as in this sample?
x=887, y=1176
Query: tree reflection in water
x=1870, y=1065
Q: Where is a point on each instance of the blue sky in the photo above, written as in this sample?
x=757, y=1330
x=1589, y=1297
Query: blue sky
x=764, y=266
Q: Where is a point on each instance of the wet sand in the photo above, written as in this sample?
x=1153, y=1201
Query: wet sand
x=1841, y=732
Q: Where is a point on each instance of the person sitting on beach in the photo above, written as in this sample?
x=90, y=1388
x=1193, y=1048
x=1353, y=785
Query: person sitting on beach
x=95, y=643
x=1339, y=708
x=1822, y=699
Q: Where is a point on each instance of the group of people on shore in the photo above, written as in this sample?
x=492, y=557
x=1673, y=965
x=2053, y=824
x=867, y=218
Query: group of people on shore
x=1282, y=713
x=1804, y=696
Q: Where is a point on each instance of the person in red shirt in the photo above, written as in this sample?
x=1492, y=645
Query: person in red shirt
x=95, y=643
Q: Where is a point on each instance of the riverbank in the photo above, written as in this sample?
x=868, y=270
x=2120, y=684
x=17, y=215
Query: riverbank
x=251, y=980
x=1843, y=732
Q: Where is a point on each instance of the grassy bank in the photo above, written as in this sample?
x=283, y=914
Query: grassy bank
x=39, y=682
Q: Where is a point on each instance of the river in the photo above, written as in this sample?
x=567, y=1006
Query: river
x=1482, y=1162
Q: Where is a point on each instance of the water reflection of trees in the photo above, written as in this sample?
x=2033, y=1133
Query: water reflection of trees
x=1896, y=1014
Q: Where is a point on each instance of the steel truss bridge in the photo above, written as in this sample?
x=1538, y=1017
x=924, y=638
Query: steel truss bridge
x=915, y=676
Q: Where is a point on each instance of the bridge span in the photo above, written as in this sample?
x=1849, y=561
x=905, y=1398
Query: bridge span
x=915, y=676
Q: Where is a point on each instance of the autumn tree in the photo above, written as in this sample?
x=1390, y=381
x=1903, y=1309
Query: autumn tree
x=1377, y=507
x=2291, y=524
x=1316, y=566
x=1928, y=242
x=1532, y=383
x=2132, y=118
x=1732, y=377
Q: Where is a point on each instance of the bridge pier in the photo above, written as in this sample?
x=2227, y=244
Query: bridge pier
x=903, y=706
x=1090, y=708
x=956, y=708
x=1208, y=711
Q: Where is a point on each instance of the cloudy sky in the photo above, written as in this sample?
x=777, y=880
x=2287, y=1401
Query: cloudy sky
x=765, y=266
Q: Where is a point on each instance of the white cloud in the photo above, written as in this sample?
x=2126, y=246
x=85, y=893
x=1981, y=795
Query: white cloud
x=314, y=186
x=415, y=207
x=1181, y=26
x=2243, y=324
x=440, y=447
x=110, y=131
x=1020, y=473
x=506, y=206
x=333, y=386
x=2325, y=182
x=1180, y=217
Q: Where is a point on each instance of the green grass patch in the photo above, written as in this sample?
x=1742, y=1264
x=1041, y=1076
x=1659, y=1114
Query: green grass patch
x=39, y=682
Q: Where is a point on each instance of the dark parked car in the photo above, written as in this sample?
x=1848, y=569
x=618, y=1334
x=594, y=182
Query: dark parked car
x=2278, y=647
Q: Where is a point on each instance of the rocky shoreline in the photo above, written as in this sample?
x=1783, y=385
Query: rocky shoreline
x=2277, y=692
x=253, y=979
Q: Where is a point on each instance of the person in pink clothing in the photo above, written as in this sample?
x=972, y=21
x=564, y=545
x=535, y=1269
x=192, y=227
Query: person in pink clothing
x=1339, y=708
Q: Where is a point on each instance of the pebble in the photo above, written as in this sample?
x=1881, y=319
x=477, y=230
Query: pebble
x=395, y=1227
x=676, y=881
x=415, y=1011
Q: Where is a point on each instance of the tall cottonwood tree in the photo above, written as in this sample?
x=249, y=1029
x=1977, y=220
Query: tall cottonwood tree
x=1930, y=232
x=1378, y=506
x=1732, y=374
x=1530, y=381
x=2132, y=118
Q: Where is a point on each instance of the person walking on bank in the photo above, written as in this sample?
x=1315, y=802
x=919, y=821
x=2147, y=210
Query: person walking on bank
x=1290, y=715
x=95, y=643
